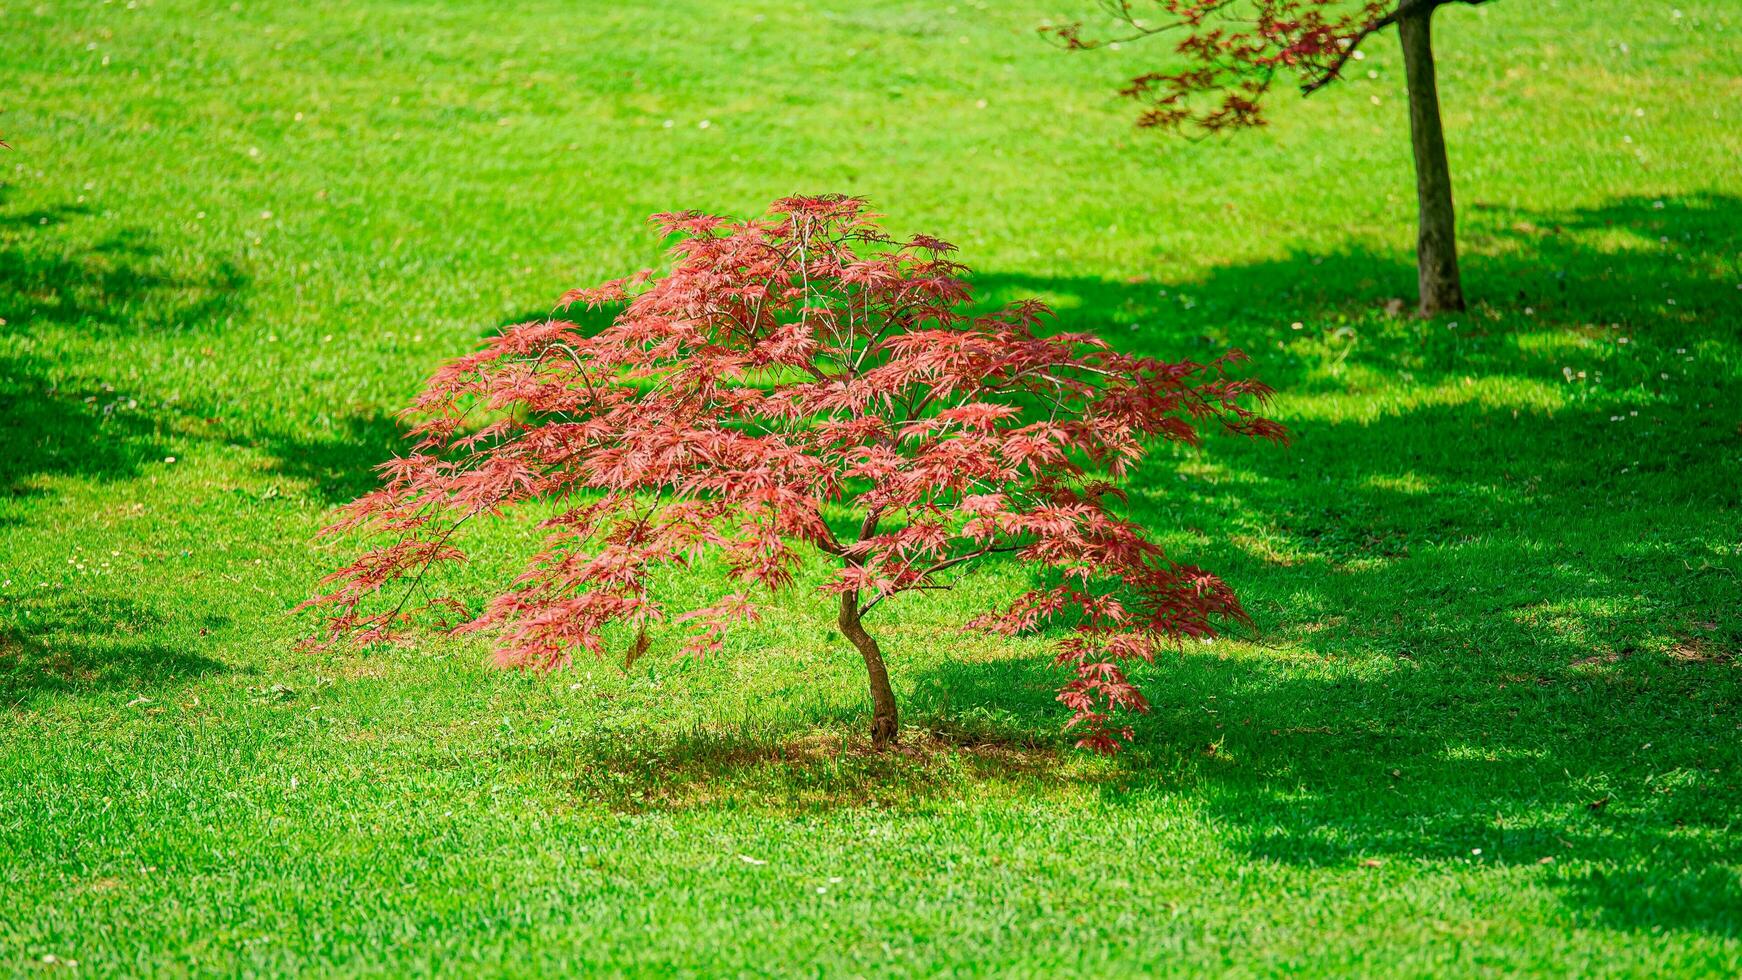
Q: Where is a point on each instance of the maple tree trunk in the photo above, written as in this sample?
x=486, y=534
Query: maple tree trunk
x=885, y=725
x=1436, y=254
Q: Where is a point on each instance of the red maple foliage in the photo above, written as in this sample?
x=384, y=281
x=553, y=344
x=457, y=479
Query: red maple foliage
x=802, y=380
x=1235, y=49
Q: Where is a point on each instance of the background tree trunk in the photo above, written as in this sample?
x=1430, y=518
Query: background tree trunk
x=885, y=725
x=1436, y=252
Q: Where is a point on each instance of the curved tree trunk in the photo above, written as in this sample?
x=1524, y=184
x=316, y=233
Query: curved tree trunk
x=885, y=725
x=1437, y=242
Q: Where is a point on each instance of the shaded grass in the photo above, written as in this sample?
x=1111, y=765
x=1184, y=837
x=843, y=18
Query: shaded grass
x=90, y=643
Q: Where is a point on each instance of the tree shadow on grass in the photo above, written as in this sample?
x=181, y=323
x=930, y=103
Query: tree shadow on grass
x=340, y=465
x=813, y=761
x=1382, y=733
x=1617, y=780
x=71, y=645
x=1482, y=637
x=1551, y=289
x=91, y=431
x=119, y=286
x=119, y=283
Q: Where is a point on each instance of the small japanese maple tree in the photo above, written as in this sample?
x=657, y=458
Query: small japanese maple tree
x=802, y=381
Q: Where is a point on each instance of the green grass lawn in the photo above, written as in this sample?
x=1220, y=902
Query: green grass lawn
x=1490, y=715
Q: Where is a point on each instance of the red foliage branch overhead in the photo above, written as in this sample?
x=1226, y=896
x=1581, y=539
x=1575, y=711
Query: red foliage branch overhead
x=801, y=380
x=1234, y=50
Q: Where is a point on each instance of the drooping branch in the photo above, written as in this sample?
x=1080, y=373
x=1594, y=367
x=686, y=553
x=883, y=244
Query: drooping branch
x=1236, y=49
x=923, y=578
x=1349, y=45
x=1405, y=8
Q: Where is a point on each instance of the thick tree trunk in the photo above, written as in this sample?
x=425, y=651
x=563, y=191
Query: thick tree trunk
x=1437, y=243
x=885, y=726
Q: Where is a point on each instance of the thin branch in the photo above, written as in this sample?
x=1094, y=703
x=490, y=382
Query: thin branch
x=1335, y=71
x=921, y=583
